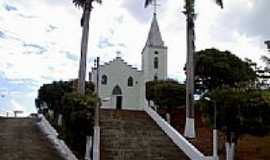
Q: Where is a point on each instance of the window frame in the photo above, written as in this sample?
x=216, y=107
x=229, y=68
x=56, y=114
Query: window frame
x=104, y=79
x=155, y=77
x=156, y=62
x=130, y=81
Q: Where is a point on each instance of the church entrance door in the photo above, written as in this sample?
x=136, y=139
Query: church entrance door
x=118, y=102
x=117, y=96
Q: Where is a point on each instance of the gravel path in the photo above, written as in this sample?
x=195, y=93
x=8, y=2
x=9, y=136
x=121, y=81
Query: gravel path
x=21, y=139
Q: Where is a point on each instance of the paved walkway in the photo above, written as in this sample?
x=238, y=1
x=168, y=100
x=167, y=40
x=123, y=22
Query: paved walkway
x=21, y=139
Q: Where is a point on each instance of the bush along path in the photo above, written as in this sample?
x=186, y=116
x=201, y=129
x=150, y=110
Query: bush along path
x=71, y=114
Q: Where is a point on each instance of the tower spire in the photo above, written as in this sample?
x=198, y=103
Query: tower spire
x=154, y=35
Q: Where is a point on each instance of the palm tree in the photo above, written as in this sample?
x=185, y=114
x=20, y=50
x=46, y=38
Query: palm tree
x=87, y=7
x=190, y=14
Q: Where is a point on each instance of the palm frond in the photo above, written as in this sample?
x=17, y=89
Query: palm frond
x=147, y=3
x=81, y=3
x=220, y=3
x=99, y=1
x=189, y=6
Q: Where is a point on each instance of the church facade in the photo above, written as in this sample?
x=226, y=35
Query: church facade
x=122, y=86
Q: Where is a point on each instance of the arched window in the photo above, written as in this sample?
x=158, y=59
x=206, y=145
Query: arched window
x=117, y=90
x=156, y=52
x=104, y=79
x=156, y=62
x=130, y=81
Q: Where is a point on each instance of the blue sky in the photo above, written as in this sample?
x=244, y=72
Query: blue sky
x=40, y=40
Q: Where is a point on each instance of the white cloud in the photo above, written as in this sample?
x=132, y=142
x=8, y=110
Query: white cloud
x=16, y=106
x=125, y=25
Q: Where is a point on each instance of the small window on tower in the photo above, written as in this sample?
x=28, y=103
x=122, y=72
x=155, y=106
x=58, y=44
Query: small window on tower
x=156, y=52
x=130, y=81
x=104, y=79
x=155, y=77
x=156, y=63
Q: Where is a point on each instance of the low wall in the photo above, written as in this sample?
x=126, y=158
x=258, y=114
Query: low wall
x=191, y=151
x=52, y=134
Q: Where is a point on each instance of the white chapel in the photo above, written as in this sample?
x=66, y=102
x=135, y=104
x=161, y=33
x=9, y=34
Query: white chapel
x=122, y=86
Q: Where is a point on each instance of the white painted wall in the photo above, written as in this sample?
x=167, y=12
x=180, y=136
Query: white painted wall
x=148, y=56
x=118, y=73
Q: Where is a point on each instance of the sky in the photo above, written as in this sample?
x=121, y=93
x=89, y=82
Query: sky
x=40, y=40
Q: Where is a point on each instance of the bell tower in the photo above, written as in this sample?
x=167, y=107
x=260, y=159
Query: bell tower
x=154, y=54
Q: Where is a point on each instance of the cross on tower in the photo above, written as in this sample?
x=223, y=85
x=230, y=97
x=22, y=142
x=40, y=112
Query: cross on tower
x=118, y=54
x=155, y=7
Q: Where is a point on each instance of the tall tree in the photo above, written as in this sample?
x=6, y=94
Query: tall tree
x=190, y=14
x=166, y=94
x=76, y=111
x=87, y=7
x=264, y=74
x=265, y=58
x=239, y=111
x=216, y=68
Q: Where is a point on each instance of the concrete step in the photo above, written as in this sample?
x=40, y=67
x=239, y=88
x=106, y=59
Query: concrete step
x=20, y=138
x=133, y=135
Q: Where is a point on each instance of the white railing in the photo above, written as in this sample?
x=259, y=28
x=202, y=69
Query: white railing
x=52, y=134
x=191, y=151
x=96, y=145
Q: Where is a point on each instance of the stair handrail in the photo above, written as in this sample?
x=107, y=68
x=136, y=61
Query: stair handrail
x=52, y=135
x=180, y=141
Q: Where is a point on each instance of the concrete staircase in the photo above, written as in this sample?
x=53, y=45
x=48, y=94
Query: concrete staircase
x=21, y=139
x=133, y=135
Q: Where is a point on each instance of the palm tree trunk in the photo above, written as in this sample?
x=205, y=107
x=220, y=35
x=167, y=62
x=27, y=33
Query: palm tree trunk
x=190, y=124
x=84, y=46
x=82, y=70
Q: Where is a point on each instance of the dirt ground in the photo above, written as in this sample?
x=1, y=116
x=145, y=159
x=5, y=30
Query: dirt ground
x=21, y=139
x=248, y=147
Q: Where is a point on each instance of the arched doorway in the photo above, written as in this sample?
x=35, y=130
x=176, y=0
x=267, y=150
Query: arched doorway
x=117, y=96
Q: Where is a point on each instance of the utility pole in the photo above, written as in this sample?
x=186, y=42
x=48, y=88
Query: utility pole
x=97, y=94
x=96, y=144
x=215, y=131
